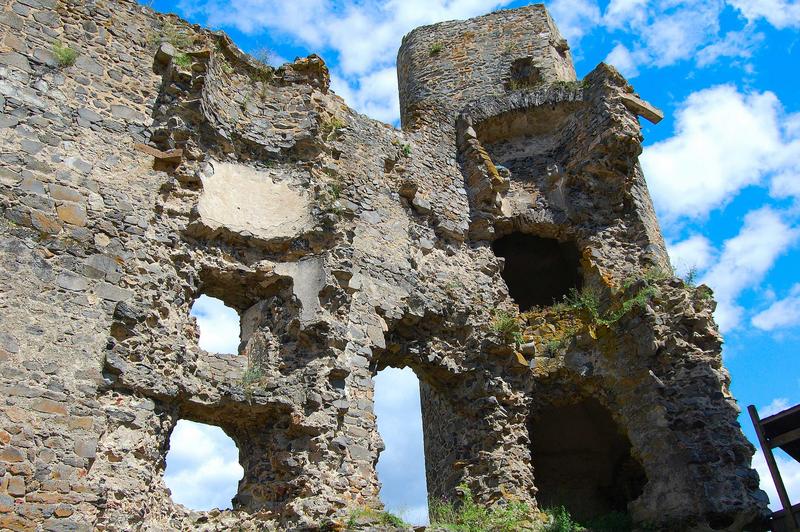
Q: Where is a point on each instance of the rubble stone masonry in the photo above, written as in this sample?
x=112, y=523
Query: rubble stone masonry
x=161, y=163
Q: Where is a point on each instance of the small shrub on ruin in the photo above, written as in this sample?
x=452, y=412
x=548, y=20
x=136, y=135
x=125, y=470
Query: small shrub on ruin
x=704, y=293
x=468, y=516
x=657, y=273
x=507, y=327
x=690, y=278
x=405, y=149
x=561, y=521
x=436, y=48
x=332, y=127
x=182, y=60
x=552, y=347
x=263, y=55
x=588, y=300
x=264, y=74
x=328, y=198
x=65, y=55
x=251, y=375
x=172, y=34
x=373, y=517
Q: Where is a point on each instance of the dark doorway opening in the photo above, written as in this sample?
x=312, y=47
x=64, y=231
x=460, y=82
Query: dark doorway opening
x=582, y=461
x=538, y=271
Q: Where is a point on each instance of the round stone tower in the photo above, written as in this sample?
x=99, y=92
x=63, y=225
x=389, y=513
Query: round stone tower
x=447, y=65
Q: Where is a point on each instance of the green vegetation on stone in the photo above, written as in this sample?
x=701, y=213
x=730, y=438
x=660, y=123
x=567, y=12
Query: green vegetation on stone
x=252, y=374
x=507, y=326
x=561, y=521
x=263, y=55
x=182, y=60
x=172, y=34
x=436, y=48
x=468, y=516
x=65, y=55
x=588, y=299
x=332, y=127
x=370, y=517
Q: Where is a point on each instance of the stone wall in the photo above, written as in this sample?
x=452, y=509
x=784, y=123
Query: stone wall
x=165, y=164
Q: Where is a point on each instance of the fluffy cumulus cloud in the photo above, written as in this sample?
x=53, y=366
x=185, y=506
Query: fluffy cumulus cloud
x=362, y=36
x=780, y=13
x=401, y=468
x=657, y=33
x=786, y=181
x=660, y=33
x=724, y=141
x=203, y=468
x=777, y=405
x=692, y=254
x=790, y=474
x=374, y=94
x=625, y=60
x=574, y=17
x=219, y=325
x=745, y=259
x=780, y=314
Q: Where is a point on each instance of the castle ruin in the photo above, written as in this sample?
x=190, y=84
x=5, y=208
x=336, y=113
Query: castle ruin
x=165, y=164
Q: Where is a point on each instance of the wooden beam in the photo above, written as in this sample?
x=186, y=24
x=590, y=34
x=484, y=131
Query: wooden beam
x=783, y=439
x=773, y=469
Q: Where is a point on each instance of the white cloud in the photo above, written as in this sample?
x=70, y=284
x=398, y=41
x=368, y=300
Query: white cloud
x=745, y=259
x=694, y=253
x=782, y=313
x=659, y=32
x=790, y=474
x=786, y=182
x=664, y=32
x=374, y=94
x=401, y=468
x=779, y=13
x=574, y=18
x=674, y=34
x=363, y=35
x=625, y=60
x=735, y=44
x=219, y=325
x=622, y=12
x=777, y=405
x=724, y=141
x=203, y=468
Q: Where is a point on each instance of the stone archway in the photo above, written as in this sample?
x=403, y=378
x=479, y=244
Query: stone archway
x=582, y=460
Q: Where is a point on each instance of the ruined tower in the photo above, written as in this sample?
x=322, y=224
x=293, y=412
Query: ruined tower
x=502, y=244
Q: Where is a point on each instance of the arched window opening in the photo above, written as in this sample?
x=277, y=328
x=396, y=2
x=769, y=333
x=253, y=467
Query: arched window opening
x=203, y=469
x=538, y=271
x=401, y=467
x=220, y=325
x=582, y=461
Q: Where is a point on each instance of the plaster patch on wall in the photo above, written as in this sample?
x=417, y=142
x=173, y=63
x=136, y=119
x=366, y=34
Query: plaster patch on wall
x=246, y=201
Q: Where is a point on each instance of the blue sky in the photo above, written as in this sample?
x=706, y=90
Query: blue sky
x=723, y=166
